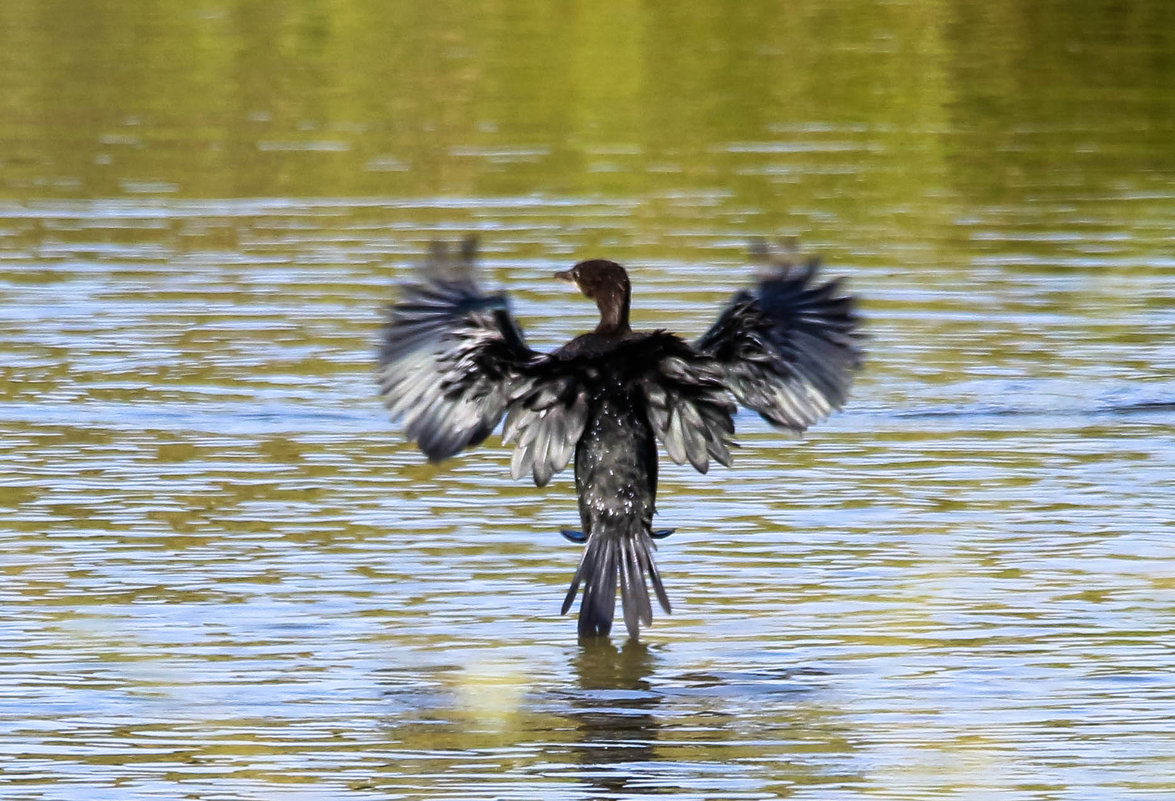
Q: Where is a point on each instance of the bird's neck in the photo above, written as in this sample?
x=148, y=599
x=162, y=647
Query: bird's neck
x=613, y=314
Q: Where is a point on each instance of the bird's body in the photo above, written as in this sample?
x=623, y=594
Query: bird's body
x=616, y=481
x=453, y=362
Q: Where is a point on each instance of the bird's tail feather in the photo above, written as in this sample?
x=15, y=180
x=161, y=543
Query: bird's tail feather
x=610, y=557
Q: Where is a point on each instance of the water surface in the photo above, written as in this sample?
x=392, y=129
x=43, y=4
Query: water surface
x=226, y=576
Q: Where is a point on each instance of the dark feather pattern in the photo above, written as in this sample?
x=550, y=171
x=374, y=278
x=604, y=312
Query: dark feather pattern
x=450, y=362
x=453, y=361
x=788, y=348
x=689, y=405
x=610, y=556
x=545, y=423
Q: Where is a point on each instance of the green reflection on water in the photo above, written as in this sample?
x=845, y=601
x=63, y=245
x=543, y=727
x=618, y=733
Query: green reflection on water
x=937, y=100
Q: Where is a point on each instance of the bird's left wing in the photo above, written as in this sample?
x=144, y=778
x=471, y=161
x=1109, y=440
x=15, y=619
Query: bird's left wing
x=453, y=361
x=452, y=358
x=546, y=419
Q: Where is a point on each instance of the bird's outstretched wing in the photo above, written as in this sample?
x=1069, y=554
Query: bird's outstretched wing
x=451, y=356
x=789, y=346
x=453, y=361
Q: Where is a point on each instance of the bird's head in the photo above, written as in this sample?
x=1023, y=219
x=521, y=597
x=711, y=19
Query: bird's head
x=597, y=278
x=605, y=282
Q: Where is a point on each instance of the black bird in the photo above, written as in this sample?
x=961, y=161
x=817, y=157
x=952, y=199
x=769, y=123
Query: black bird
x=453, y=363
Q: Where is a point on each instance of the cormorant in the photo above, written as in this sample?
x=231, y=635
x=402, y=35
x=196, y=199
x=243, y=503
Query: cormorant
x=453, y=362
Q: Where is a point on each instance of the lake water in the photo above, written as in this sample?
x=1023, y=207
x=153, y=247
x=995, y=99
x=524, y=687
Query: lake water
x=226, y=576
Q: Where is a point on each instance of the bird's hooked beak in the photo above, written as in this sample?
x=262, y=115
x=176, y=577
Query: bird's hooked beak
x=568, y=276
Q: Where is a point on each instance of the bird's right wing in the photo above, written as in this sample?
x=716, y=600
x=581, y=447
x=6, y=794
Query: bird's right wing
x=688, y=402
x=788, y=347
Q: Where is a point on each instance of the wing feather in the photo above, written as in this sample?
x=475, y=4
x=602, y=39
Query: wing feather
x=688, y=405
x=451, y=357
x=788, y=348
x=547, y=421
x=453, y=363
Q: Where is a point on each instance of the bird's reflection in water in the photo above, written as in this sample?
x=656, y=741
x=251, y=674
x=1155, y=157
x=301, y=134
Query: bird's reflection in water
x=614, y=710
